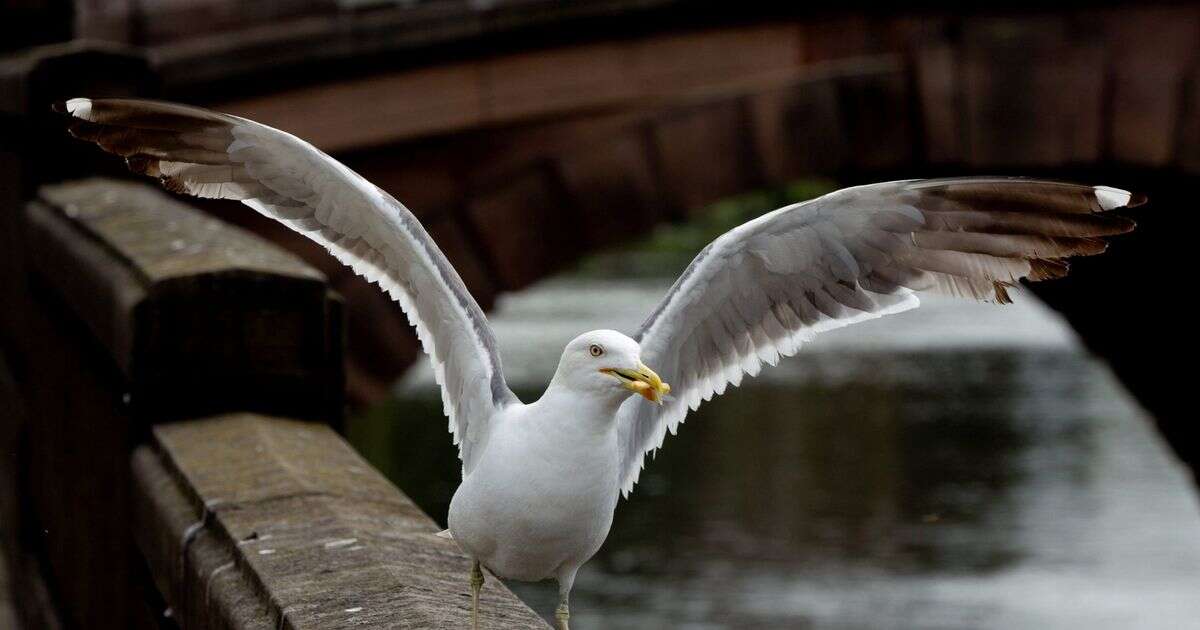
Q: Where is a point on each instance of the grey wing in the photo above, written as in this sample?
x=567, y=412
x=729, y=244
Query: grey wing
x=208, y=154
x=761, y=290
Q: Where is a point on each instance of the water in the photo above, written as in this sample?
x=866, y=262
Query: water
x=959, y=466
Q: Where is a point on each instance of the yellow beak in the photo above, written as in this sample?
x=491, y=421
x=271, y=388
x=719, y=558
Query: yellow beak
x=642, y=381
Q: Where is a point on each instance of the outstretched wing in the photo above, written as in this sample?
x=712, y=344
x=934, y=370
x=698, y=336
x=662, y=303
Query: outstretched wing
x=208, y=154
x=764, y=288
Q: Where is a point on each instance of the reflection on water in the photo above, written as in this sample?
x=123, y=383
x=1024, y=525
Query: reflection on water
x=873, y=485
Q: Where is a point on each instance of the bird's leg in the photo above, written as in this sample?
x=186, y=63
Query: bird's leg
x=562, y=614
x=476, y=586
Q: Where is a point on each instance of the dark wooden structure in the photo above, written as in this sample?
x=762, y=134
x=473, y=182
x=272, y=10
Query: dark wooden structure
x=130, y=505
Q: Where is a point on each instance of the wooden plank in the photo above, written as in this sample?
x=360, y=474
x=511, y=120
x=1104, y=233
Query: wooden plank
x=173, y=20
x=394, y=33
x=768, y=126
x=1145, y=110
x=916, y=31
x=798, y=129
x=382, y=108
x=672, y=64
x=31, y=602
x=74, y=464
x=1079, y=76
x=370, y=111
x=611, y=187
x=105, y=20
x=1148, y=74
x=1187, y=152
x=874, y=103
x=12, y=426
x=705, y=154
x=1031, y=99
x=491, y=156
x=842, y=36
x=8, y=610
x=534, y=200
x=196, y=314
x=12, y=421
x=939, y=92
x=305, y=529
x=134, y=23
x=535, y=83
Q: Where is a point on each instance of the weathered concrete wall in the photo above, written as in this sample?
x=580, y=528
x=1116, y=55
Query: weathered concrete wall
x=198, y=317
x=282, y=523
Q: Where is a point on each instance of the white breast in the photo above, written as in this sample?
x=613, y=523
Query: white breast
x=541, y=498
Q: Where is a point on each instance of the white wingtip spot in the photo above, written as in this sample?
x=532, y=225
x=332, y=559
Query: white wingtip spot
x=1110, y=198
x=80, y=107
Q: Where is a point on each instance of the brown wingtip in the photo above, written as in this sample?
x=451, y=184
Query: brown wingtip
x=1124, y=225
x=1047, y=269
x=142, y=164
x=1137, y=199
x=1001, y=292
x=59, y=107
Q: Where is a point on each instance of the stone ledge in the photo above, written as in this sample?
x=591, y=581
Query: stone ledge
x=200, y=317
x=249, y=521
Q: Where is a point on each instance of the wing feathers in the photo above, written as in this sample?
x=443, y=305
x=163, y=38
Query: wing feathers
x=143, y=114
x=1017, y=195
x=1010, y=245
x=763, y=289
x=1066, y=225
x=207, y=154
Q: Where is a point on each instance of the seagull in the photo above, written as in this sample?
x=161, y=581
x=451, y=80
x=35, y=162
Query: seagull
x=540, y=481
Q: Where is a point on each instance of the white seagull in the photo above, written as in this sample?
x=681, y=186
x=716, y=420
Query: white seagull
x=541, y=480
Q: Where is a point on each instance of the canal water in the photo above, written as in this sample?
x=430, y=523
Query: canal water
x=958, y=466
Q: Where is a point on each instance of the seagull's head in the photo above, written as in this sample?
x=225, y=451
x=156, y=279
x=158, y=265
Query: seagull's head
x=609, y=363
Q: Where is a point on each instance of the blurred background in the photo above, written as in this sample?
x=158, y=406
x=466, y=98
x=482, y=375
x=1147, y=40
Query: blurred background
x=958, y=466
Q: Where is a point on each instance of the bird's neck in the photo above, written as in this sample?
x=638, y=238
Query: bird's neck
x=594, y=411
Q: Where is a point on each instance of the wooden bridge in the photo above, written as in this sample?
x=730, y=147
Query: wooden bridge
x=524, y=135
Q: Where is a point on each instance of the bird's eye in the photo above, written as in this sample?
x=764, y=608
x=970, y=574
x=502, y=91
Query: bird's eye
x=596, y=350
